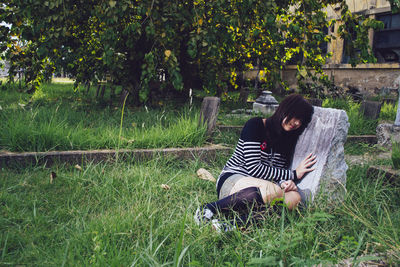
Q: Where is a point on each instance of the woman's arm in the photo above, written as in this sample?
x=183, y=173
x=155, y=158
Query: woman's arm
x=265, y=170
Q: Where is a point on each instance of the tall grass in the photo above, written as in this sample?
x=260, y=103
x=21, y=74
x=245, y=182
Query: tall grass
x=119, y=215
x=388, y=112
x=70, y=124
x=359, y=125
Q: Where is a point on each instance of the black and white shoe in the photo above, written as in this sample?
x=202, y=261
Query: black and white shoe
x=222, y=227
x=203, y=216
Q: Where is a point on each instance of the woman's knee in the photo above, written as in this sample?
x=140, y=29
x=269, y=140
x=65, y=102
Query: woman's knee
x=292, y=199
x=270, y=191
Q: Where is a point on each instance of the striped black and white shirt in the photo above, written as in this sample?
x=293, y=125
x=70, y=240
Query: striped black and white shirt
x=254, y=157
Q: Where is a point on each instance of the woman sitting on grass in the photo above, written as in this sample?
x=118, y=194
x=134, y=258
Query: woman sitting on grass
x=258, y=170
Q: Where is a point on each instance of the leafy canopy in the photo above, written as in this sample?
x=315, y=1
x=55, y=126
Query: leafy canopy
x=152, y=47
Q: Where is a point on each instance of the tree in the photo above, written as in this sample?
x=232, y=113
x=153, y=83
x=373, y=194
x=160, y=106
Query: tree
x=194, y=44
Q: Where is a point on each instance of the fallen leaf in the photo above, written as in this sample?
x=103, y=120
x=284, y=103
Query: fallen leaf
x=205, y=175
x=79, y=168
x=165, y=186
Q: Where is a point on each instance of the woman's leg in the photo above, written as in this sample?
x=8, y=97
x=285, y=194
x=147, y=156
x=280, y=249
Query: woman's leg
x=246, y=193
x=241, y=201
x=269, y=191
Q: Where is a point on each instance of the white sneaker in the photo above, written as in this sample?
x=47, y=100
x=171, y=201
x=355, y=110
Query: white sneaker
x=202, y=216
x=222, y=227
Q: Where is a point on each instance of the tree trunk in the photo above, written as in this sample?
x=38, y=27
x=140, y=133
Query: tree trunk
x=87, y=87
x=112, y=94
x=103, y=89
x=98, y=90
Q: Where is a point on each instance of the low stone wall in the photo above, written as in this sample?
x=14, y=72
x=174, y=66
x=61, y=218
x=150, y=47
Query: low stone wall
x=370, y=79
x=208, y=154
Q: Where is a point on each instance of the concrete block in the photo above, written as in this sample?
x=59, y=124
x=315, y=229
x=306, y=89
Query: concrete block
x=325, y=137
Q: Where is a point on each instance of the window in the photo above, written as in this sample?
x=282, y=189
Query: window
x=387, y=40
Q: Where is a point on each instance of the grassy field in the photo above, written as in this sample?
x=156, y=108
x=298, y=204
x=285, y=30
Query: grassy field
x=58, y=118
x=119, y=215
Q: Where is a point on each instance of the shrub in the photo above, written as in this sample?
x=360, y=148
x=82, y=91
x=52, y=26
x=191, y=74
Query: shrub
x=396, y=155
x=388, y=112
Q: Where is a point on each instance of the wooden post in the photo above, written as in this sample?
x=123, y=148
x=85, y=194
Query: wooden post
x=209, y=113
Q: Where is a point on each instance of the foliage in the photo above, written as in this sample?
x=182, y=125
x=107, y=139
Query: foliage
x=351, y=148
x=388, y=112
x=396, y=155
x=359, y=125
x=195, y=44
x=49, y=120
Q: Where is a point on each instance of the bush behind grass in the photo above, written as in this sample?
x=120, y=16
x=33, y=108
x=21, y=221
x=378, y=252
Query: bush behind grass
x=119, y=215
x=358, y=124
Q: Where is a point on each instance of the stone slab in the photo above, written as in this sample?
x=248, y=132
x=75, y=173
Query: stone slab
x=325, y=137
x=11, y=159
x=390, y=175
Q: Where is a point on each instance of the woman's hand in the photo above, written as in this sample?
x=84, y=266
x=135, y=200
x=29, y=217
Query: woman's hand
x=305, y=166
x=288, y=186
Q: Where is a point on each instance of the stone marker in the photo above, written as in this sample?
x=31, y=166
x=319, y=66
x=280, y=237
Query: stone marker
x=209, y=113
x=370, y=109
x=265, y=103
x=386, y=134
x=325, y=137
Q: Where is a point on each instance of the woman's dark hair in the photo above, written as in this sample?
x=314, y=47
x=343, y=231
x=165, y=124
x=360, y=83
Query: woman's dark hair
x=293, y=106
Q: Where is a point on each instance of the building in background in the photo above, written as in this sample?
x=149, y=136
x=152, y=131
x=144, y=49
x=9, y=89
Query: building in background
x=369, y=79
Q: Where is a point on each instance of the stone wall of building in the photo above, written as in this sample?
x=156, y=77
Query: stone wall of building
x=370, y=79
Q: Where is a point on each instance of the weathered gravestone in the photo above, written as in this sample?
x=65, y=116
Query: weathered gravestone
x=370, y=109
x=325, y=137
x=209, y=113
